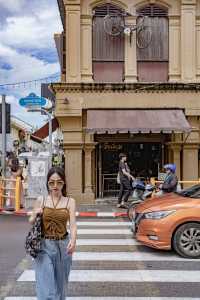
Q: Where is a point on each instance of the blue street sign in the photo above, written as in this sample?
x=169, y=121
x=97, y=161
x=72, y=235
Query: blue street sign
x=32, y=100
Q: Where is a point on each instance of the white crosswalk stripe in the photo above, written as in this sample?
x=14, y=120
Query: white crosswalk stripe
x=127, y=256
x=107, y=242
x=108, y=298
x=124, y=276
x=103, y=224
x=104, y=231
x=110, y=261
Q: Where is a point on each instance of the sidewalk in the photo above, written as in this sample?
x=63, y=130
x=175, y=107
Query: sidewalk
x=102, y=208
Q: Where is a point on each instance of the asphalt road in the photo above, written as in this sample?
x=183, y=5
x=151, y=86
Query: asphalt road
x=108, y=265
x=12, y=234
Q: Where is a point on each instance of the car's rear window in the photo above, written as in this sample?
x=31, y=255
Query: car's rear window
x=192, y=192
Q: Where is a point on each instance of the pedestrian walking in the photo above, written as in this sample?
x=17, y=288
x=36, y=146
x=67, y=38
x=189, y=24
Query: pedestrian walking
x=125, y=180
x=53, y=263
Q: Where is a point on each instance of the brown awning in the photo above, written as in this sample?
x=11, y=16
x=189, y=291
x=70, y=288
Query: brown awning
x=137, y=121
x=43, y=132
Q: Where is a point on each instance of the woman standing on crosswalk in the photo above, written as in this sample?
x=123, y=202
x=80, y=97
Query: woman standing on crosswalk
x=53, y=263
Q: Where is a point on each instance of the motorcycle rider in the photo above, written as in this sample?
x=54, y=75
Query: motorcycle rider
x=170, y=182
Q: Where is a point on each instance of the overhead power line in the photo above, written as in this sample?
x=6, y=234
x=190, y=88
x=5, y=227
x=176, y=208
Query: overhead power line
x=30, y=83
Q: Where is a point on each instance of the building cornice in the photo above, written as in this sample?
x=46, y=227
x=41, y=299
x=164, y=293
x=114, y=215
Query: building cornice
x=125, y=87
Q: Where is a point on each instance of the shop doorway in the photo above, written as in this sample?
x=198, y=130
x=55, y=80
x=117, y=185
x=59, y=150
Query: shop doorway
x=144, y=160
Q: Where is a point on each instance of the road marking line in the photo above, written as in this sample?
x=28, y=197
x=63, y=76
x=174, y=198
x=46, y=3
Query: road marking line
x=106, y=214
x=107, y=242
x=104, y=231
x=109, y=298
x=124, y=276
x=104, y=224
x=129, y=256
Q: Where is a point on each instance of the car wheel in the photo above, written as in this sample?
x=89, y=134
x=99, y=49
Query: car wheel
x=186, y=240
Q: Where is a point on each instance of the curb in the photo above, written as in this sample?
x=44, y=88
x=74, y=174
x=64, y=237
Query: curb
x=84, y=214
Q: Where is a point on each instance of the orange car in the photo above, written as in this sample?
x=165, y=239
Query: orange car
x=171, y=221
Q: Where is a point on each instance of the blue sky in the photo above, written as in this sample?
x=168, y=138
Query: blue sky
x=27, y=49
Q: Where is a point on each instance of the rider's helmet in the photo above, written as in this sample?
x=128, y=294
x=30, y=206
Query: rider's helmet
x=171, y=167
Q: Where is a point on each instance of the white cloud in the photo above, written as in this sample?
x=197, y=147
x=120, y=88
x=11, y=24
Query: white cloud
x=12, y=5
x=34, y=30
x=11, y=99
x=24, y=66
x=28, y=28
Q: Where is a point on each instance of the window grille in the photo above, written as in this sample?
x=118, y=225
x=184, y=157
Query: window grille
x=102, y=11
x=153, y=10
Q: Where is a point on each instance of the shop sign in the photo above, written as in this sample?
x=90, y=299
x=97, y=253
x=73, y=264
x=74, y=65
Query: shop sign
x=112, y=147
x=32, y=100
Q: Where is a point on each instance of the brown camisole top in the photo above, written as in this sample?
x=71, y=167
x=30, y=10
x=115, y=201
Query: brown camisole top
x=55, y=222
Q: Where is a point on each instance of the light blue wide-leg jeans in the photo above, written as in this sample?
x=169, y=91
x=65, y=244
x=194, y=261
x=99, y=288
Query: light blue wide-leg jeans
x=52, y=268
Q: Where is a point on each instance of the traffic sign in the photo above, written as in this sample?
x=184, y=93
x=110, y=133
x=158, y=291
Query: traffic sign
x=32, y=100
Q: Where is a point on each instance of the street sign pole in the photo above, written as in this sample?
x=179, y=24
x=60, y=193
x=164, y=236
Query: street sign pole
x=35, y=103
x=3, y=120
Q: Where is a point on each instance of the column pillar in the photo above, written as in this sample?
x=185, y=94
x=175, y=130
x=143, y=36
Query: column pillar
x=190, y=162
x=188, y=40
x=197, y=49
x=86, y=49
x=130, y=54
x=73, y=39
x=176, y=149
x=88, y=191
x=169, y=154
x=174, y=49
x=73, y=170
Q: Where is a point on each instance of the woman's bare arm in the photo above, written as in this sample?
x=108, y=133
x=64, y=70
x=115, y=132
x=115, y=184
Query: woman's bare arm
x=73, y=227
x=37, y=208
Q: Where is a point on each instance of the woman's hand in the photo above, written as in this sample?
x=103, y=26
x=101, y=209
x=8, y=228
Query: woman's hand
x=38, y=210
x=71, y=247
x=34, y=213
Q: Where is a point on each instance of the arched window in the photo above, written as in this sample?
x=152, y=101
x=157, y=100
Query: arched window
x=152, y=61
x=108, y=50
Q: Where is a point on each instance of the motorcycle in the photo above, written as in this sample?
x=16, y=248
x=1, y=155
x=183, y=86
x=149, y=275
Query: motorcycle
x=140, y=193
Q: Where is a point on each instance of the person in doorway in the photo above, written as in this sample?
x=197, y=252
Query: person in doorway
x=53, y=263
x=170, y=182
x=125, y=181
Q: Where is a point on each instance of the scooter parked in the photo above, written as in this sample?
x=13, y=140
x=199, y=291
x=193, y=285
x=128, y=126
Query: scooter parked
x=140, y=193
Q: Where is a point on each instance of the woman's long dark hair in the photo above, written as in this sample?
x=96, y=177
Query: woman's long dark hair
x=61, y=173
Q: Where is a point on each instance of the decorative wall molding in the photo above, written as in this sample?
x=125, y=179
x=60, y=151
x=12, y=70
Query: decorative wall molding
x=125, y=87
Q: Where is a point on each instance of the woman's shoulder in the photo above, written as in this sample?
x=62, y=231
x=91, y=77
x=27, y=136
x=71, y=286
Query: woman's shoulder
x=70, y=201
x=40, y=201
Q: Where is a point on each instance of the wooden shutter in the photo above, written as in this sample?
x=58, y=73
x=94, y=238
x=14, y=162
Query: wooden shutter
x=158, y=49
x=108, y=51
x=106, y=47
x=152, y=62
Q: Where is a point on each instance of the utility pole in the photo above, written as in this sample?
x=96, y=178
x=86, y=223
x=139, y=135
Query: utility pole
x=3, y=120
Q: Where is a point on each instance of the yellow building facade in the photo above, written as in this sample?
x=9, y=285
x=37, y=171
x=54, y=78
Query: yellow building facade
x=157, y=95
